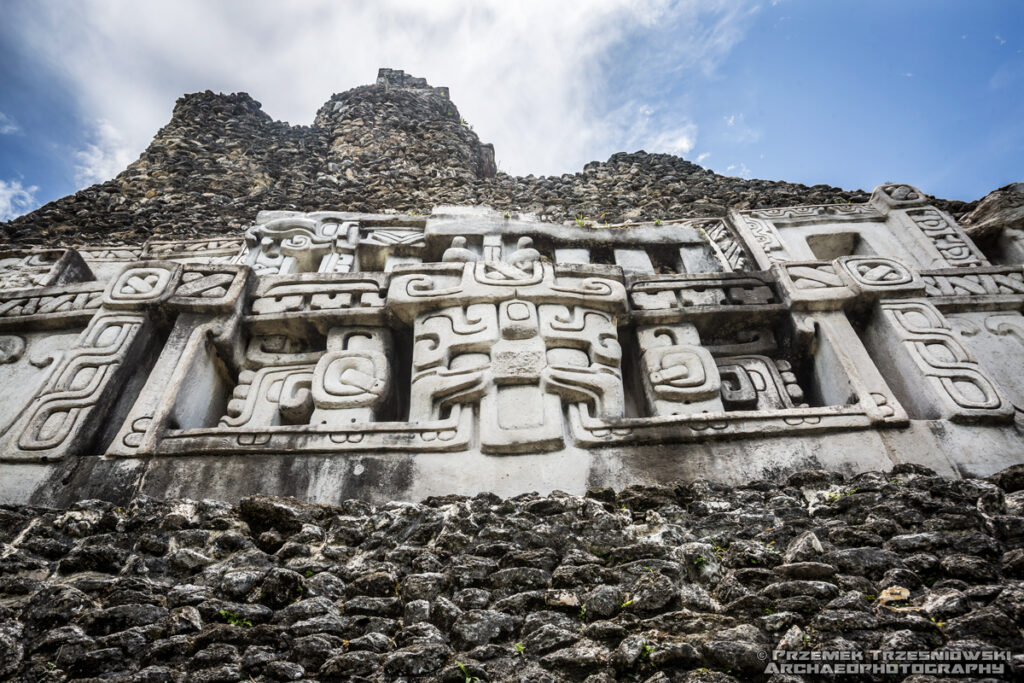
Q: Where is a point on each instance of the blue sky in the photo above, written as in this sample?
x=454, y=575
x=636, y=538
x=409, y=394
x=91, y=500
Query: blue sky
x=845, y=93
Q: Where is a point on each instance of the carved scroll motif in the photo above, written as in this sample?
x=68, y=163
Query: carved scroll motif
x=298, y=244
x=730, y=247
x=1010, y=281
x=935, y=350
x=768, y=239
x=77, y=386
x=759, y=383
x=946, y=236
x=352, y=380
x=679, y=376
x=270, y=396
x=210, y=249
x=813, y=212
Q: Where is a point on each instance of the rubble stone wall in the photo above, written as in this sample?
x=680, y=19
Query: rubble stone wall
x=687, y=582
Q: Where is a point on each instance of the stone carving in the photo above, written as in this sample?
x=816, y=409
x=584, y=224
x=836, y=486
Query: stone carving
x=351, y=381
x=813, y=285
x=53, y=301
x=680, y=377
x=124, y=253
x=728, y=246
x=518, y=339
x=947, y=237
x=767, y=238
x=879, y=276
x=759, y=383
x=465, y=332
x=21, y=269
x=208, y=250
x=297, y=244
x=977, y=281
x=959, y=387
x=59, y=417
x=662, y=297
x=829, y=211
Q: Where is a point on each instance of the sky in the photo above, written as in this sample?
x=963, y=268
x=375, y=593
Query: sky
x=848, y=93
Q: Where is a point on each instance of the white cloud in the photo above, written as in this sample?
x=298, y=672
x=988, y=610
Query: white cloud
x=740, y=170
x=532, y=77
x=703, y=157
x=739, y=131
x=103, y=158
x=15, y=200
x=8, y=126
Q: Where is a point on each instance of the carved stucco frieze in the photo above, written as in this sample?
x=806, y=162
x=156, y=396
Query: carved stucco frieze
x=466, y=332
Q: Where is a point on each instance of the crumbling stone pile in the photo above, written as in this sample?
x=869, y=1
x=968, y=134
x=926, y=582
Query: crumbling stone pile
x=692, y=582
x=398, y=145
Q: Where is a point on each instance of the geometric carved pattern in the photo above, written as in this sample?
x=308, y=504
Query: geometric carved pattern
x=950, y=368
x=508, y=342
x=59, y=415
x=984, y=280
x=874, y=271
x=946, y=236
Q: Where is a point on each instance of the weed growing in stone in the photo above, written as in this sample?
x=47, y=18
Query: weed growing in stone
x=235, y=619
x=465, y=672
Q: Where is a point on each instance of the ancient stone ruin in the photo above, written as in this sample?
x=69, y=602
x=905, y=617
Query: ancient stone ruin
x=346, y=403
x=389, y=356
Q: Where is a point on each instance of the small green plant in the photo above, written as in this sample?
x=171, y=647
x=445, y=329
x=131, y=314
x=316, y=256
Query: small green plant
x=938, y=623
x=646, y=651
x=583, y=611
x=870, y=597
x=699, y=561
x=769, y=610
x=657, y=221
x=581, y=221
x=833, y=497
x=506, y=215
x=308, y=573
x=520, y=648
x=51, y=666
x=235, y=619
x=465, y=672
x=649, y=570
x=626, y=603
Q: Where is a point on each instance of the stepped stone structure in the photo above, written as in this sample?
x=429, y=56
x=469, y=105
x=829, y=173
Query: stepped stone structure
x=278, y=402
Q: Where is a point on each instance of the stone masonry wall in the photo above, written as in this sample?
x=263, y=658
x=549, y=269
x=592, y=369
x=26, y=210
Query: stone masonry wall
x=687, y=582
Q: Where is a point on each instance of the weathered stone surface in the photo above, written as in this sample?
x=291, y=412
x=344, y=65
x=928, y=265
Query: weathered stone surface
x=641, y=615
x=751, y=364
